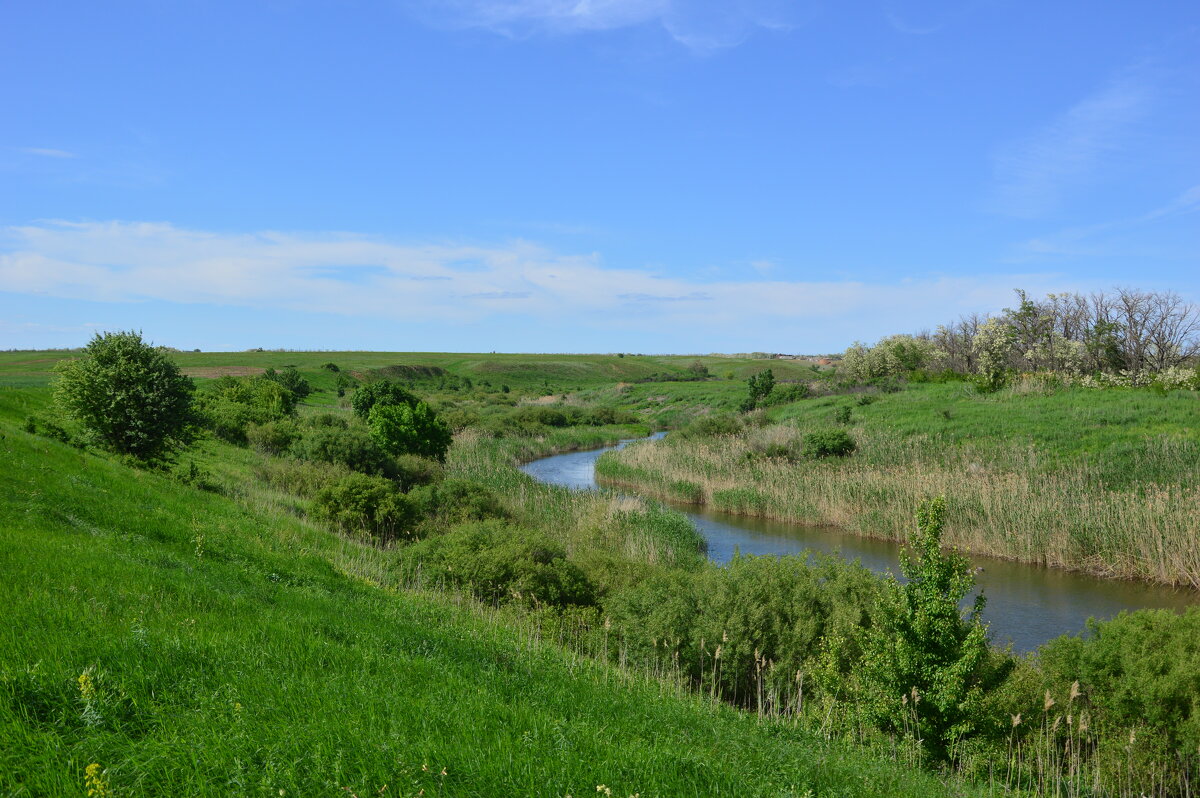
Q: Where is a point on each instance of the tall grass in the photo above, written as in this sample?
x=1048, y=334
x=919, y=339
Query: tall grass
x=1002, y=502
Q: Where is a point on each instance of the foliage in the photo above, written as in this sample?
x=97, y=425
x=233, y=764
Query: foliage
x=128, y=395
x=370, y=508
x=711, y=426
x=410, y=429
x=291, y=379
x=991, y=347
x=827, y=443
x=453, y=501
x=383, y=392
x=273, y=437
x=924, y=663
x=894, y=356
x=758, y=388
x=353, y=447
x=500, y=562
x=1137, y=671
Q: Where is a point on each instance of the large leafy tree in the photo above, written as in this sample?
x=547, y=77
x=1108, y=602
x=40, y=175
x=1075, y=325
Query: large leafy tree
x=128, y=395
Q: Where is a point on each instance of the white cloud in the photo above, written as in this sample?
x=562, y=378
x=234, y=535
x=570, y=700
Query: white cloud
x=518, y=284
x=1035, y=173
x=702, y=25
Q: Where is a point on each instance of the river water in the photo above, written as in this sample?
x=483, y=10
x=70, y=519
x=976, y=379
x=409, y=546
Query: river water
x=1026, y=604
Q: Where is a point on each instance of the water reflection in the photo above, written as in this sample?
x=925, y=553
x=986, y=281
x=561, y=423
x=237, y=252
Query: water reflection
x=1027, y=605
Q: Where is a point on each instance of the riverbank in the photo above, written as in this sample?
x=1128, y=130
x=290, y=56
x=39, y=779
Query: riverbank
x=1123, y=506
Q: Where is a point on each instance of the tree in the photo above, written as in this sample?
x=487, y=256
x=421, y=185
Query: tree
x=383, y=392
x=759, y=387
x=924, y=663
x=128, y=395
x=291, y=379
x=409, y=429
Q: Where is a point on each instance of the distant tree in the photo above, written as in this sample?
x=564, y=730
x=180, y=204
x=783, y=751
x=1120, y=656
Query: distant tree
x=759, y=387
x=381, y=392
x=128, y=395
x=699, y=370
x=291, y=379
x=410, y=429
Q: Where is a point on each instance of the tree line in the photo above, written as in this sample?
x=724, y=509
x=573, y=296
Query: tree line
x=1123, y=337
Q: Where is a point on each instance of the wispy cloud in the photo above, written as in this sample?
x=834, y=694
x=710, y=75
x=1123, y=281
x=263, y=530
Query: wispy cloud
x=1104, y=239
x=702, y=25
x=516, y=285
x=47, y=152
x=1034, y=174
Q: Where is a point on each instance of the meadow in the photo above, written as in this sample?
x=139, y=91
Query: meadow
x=1101, y=481
x=208, y=627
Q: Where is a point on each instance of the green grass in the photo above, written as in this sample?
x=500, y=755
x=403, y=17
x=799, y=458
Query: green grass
x=233, y=649
x=1096, y=480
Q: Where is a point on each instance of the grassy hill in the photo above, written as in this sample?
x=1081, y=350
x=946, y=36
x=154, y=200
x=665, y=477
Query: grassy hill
x=160, y=639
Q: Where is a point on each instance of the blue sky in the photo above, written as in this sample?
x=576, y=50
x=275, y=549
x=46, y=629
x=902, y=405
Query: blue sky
x=566, y=175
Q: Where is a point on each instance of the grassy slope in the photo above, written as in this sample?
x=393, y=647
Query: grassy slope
x=231, y=650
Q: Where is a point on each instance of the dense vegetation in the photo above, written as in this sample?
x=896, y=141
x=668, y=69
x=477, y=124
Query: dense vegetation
x=600, y=644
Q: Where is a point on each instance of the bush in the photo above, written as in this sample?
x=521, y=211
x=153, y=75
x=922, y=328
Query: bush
x=786, y=394
x=414, y=471
x=827, y=443
x=382, y=392
x=1140, y=670
x=274, y=437
x=300, y=477
x=369, y=508
x=290, y=379
x=455, y=500
x=231, y=405
x=841, y=415
x=502, y=563
x=128, y=395
x=410, y=429
x=353, y=447
x=712, y=426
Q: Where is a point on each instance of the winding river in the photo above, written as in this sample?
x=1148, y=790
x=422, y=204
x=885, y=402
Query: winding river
x=1026, y=604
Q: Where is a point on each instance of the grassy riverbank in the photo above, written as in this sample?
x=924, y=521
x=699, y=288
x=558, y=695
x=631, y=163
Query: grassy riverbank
x=1100, y=481
x=189, y=643
x=169, y=622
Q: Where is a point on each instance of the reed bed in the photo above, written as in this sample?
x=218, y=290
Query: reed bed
x=1003, y=501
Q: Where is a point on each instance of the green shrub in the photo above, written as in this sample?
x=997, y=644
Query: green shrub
x=369, y=508
x=300, y=477
x=712, y=426
x=230, y=405
x=841, y=415
x=381, y=392
x=827, y=443
x=414, y=471
x=290, y=379
x=455, y=500
x=410, y=429
x=353, y=447
x=1140, y=670
x=502, y=563
x=274, y=437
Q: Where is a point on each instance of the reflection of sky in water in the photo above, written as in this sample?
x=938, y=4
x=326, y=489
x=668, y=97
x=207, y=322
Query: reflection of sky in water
x=1026, y=605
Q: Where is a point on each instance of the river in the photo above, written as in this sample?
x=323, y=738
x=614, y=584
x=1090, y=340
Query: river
x=1026, y=604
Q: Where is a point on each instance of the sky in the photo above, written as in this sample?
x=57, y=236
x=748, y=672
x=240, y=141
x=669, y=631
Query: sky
x=584, y=175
